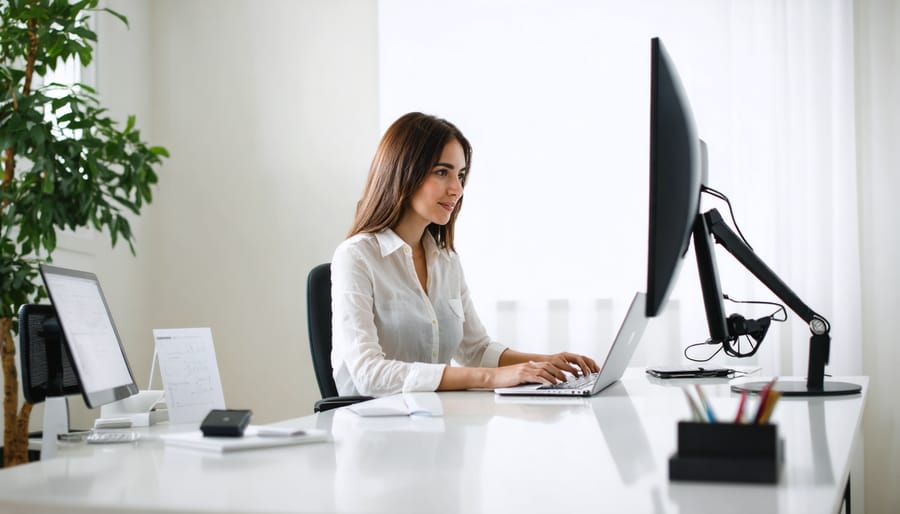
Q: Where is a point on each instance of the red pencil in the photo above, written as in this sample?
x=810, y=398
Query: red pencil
x=740, y=412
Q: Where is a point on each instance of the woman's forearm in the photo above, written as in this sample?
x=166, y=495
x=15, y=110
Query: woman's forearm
x=459, y=378
x=510, y=357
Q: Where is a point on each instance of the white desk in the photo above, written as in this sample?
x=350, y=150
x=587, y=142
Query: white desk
x=486, y=454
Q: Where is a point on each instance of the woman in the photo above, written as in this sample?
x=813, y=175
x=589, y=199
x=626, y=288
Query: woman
x=401, y=307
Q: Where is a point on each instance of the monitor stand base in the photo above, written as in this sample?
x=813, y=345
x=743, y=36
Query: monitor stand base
x=56, y=422
x=800, y=388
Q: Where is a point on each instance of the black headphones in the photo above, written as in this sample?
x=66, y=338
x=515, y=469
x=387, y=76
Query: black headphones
x=739, y=326
x=753, y=330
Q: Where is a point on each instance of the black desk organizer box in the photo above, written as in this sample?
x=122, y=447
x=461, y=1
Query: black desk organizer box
x=727, y=452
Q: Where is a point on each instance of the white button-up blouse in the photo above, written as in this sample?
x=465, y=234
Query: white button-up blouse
x=389, y=336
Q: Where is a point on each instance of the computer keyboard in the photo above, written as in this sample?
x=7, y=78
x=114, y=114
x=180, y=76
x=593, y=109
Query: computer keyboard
x=573, y=383
x=97, y=437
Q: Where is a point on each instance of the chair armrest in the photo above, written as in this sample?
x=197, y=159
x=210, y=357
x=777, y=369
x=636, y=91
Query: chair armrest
x=334, y=402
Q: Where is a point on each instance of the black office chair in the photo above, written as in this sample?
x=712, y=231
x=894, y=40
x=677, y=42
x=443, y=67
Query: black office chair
x=318, y=313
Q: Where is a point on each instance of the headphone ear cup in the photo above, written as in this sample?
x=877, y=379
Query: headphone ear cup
x=737, y=324
x=759, y=328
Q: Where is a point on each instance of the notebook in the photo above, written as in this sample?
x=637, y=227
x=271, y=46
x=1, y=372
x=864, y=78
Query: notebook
x=613, y=367
x=403, y=404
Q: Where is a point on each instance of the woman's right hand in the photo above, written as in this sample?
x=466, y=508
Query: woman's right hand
x=526, y=373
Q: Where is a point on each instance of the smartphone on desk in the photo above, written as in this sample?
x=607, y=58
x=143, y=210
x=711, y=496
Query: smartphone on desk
x=684, y=371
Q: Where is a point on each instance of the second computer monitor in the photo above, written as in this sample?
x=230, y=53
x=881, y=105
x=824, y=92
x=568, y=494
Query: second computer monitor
x=91, y=336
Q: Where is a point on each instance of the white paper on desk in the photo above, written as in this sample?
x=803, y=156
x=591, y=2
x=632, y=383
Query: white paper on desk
x=251, y=439
x=404, y=404
x=190, y=373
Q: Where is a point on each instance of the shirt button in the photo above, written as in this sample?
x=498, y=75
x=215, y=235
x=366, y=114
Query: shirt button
x=434, y=322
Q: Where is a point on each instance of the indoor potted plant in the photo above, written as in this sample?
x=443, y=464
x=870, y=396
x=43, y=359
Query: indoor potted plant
x=65, y=165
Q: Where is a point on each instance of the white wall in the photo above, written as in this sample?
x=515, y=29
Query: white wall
x=269, y=111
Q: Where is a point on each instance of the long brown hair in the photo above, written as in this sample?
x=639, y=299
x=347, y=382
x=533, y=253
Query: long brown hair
x=408, y=151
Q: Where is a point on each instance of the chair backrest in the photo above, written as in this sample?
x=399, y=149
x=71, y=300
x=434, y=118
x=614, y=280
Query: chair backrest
x=318, y=316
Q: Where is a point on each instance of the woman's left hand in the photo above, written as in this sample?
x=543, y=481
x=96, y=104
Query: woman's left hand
x=567, y=361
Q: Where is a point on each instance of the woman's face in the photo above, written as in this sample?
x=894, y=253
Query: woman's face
x=436, y=198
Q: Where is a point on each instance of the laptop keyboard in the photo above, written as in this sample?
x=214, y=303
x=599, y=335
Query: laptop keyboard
x=573, y=383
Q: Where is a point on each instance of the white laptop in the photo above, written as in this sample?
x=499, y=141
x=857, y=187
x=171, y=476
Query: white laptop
x=616, y=360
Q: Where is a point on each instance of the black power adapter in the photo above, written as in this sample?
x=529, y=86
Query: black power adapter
x=226, y=422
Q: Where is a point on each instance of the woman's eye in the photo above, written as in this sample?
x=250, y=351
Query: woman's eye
x=462, y=178
x=441, y=172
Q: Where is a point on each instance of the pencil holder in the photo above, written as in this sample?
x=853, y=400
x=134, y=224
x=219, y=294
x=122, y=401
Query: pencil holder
x=727, y=452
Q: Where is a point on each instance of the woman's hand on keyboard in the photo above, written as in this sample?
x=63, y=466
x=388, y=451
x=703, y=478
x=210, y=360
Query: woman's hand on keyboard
x=532, y=372
x=567, y=361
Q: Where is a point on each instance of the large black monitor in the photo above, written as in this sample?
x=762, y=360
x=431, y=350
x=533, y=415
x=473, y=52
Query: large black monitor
x=91, y=338
x=677, y=176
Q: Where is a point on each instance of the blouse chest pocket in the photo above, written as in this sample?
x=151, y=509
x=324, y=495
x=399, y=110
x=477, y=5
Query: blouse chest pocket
x=456, y=307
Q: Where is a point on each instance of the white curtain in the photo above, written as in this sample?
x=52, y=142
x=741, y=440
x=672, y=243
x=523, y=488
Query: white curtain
x=877, y=38
x=554, y=96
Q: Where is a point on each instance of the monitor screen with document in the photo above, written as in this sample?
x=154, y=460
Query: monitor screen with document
x=90, y=334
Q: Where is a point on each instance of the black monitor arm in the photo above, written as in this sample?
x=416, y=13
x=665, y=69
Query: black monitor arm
x=819, y=341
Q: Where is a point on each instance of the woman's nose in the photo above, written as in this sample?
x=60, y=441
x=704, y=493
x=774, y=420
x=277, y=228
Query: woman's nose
x=456, y=186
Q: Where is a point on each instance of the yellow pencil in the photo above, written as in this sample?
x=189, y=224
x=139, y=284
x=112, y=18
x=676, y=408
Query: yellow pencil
x=771, y=400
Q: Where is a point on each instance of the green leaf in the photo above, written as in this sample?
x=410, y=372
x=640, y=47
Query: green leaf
x=124, y=227
x=145, y=193
x=113, y=231
x=50, y=241
x=159, y=150
x=85, y=33
x=56, y=47
x=86, y=87
x=84, y=55
x=117, y=15
x=58, y=103
x=37, y=135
